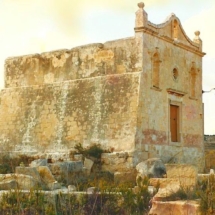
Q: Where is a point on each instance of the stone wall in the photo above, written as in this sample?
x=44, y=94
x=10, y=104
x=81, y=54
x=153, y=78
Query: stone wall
x=153, y=138
x=115, y=57
x=57, y=116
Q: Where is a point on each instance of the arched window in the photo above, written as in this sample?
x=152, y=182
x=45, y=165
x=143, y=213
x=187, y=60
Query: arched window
x=193, y=81
x=175, y=74
x=175, y=29
x=155, y=70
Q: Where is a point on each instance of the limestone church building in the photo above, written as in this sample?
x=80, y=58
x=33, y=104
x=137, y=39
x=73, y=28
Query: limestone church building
x=140, y=97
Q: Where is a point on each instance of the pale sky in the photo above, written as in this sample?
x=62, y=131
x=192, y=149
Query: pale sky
x=35, y=26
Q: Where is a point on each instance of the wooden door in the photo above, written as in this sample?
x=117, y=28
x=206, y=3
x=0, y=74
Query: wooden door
x=174, y=122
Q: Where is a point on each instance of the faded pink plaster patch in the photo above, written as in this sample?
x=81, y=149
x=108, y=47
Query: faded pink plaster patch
x=190, y=112
x=154, y=137
x=192, y=140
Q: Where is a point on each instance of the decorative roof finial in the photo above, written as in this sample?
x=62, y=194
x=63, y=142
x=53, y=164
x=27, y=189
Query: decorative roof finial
x=141, y=5
x=197, y=33
x=197, y=39
x=141, y=16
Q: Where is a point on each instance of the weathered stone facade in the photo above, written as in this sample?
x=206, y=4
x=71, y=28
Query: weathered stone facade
x=118, y=94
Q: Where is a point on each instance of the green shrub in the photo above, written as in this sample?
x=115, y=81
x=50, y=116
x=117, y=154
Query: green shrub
x=17, y=202
x=184, y=193
x=9, y=163
x=207, y=196
x=110, y=199
x=94, y=151
x=139, y=202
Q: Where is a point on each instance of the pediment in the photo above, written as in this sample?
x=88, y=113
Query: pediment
x=172, y=31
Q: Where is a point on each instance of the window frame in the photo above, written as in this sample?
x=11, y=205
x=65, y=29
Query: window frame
x=179, y=126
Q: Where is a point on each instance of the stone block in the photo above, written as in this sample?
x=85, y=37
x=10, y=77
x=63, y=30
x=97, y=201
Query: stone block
x=45, y=174
x=54, y=185
x=175, y=207
x=167, y=186
x=25, y=182
x=67, y=171
x=163, y=182
x=153, y=168
x=187, y=174
x=31, y=171
x=72, y=188
x=8, y=184
x=116, y=162
x=38, y=162
x=92, y=190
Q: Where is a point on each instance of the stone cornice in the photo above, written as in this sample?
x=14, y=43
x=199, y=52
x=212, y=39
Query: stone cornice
x=194, y=49
x=175, y=92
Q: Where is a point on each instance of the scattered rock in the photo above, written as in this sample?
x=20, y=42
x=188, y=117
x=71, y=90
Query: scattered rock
x=167, y=186
x=25, y=182
x=116, y=161
x=92, y=190
x=31, y=171
x=187, y=174
x=66, y=167
x=175, y=207
x=72, y=188
x=54, y=185
x=39, y=162
x=45, y=174
x=152, y=168
x=47, y=179
x=8, y=184
x=67, y=172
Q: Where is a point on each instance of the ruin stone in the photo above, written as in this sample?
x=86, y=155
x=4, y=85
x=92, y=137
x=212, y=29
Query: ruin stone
x=47, y=179
x=72, y=188
x=175, y=207
x=187, y=174
x=167, y=187
x=38, y=162
x=8, y=184
x=30, y=171
x=67, y=172
x=152, y=168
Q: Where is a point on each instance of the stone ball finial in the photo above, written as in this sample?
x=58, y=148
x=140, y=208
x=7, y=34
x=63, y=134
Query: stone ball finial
x=197, y=33
x=172, y=14
x=141, y=5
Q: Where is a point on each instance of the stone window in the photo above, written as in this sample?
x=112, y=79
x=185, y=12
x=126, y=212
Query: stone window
x=193, y=75
x=175, y=29
x=175, y=74
x=155, y=70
